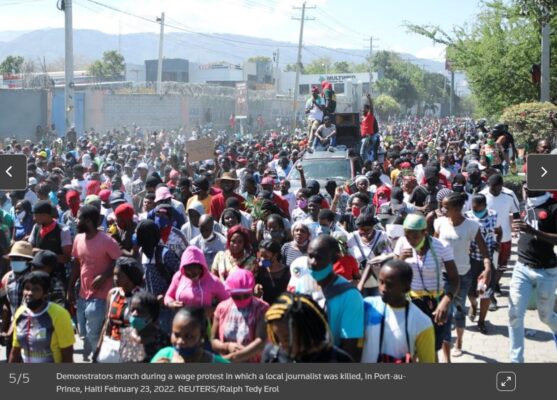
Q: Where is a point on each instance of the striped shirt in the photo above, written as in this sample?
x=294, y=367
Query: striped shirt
x=488, y=224
x=427, y=278
x=289, y=253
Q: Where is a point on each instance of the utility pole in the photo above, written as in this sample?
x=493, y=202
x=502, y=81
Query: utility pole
x=276, y=56
x=451, y=102
x=299, y=60
x=66, y=6
x=545, y=72
x=159, y=66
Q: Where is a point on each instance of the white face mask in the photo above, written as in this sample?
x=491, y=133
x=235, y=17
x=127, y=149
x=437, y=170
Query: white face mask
x=21, y=215
x=18, y=266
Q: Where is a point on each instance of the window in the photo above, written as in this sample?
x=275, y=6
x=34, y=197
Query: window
x=304, y=89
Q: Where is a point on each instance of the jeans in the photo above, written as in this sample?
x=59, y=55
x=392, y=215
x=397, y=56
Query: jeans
x=457, y=309
x=523, y=282
x=317, y=145
x=370, y=147
x=91, y=315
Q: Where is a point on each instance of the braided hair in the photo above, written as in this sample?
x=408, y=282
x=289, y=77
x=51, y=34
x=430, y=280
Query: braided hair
x=304, y=316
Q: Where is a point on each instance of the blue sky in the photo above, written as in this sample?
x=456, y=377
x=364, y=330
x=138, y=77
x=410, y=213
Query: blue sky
x=338, y=23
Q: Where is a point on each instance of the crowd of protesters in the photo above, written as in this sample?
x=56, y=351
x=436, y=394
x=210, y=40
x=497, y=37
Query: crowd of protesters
x=148, y=257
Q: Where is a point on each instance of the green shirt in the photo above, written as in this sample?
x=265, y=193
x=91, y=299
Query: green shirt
x=168, y=352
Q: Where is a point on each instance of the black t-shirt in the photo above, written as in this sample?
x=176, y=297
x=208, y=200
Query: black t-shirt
x=274, y=283
x=273, y=354
x=535, y=252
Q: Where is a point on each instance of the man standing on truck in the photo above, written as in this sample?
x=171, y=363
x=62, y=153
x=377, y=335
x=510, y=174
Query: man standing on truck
x=315, y=107
x=369, y=130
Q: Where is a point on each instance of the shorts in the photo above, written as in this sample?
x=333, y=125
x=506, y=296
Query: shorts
x=504, y=255
x=477, y=268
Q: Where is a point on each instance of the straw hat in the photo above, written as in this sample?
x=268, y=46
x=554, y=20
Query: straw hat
x=22, y=249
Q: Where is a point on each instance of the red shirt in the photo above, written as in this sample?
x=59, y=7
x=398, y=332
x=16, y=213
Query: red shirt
x=347, y=267
x=218, y=204
x=367, y=126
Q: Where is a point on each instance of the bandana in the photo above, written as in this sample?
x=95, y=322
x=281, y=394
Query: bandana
x=45, y=230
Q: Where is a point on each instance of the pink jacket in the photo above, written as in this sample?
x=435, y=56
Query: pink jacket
x=200, y=293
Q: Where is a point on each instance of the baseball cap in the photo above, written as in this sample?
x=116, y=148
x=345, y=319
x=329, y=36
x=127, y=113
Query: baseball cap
x=116, y=198
x=268, y=181
x=45, y=258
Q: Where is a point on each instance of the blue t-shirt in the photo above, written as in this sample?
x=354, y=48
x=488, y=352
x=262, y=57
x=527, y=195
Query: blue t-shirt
x=345, y=313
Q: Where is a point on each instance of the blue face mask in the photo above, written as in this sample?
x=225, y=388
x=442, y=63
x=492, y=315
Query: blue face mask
x=266, y=263
x=322, y=274
x=138, y=323
x=325, y=230
x=480, y=214
x=185, y=352
x=162, y=221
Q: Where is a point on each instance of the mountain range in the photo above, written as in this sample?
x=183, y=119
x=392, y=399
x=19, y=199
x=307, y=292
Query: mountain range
x=89, y=45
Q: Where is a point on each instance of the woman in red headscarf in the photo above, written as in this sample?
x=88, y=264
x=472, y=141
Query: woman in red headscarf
x=382, y=196
x=238, y=253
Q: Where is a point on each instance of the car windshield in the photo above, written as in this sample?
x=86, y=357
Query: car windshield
x=324, y=170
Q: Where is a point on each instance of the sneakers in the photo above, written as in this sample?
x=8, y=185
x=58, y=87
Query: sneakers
x=493, y=304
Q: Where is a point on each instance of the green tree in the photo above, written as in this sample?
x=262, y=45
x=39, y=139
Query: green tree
x=319, y=65
x=290, y=68
x=386, y=106
x=530, y=122
x=12, y=64
x=342, y=67
x=259, y=59
x=497, y=51
x=111, y=67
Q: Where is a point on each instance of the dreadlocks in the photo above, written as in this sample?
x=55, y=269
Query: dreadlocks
x=307, y=322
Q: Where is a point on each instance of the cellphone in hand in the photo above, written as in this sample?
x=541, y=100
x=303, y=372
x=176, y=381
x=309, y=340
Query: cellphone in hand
x=516, y=216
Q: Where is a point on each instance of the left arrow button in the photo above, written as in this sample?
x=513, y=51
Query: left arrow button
x=8, y=171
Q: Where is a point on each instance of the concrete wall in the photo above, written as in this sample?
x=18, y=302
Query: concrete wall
x=21, y=111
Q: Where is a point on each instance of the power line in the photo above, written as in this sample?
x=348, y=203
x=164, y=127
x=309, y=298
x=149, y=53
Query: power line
x=188, y=30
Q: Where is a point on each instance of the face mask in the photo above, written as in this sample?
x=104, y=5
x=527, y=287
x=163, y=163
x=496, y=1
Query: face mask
x=490, y=142
x=480, y=214
x=302, y=203
x=33, y=304
x=185, y=352
x=244, y=303
x=138, y=323
x=21, y=215
x=162, y=221
x=325, y=230
x=322, y=274
x=443, y=211
x=420, y=245
x=380, y=202
x=356, y=211
x=18, y=266
x=265, y=263
x=458, y=188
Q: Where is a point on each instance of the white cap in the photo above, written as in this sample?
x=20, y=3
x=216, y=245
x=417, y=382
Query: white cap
x=33, y=181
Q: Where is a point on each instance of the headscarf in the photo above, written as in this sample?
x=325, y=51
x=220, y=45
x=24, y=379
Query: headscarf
x=242, y=231
x=148, y=236
x=72, y=200
x=441, y=194
x=93, y=187
x=381, y=190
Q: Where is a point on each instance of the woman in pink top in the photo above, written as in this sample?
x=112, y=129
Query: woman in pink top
x=193, y=285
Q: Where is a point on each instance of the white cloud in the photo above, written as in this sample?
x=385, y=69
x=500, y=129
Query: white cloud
x=436, y=53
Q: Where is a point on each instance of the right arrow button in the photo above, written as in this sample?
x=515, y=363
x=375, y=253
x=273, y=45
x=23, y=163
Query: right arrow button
x=544, y=172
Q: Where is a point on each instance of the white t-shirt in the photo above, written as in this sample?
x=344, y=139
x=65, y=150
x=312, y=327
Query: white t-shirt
x=394, y=334
x=426, y=267
x=505, y=205
x=459, y=238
